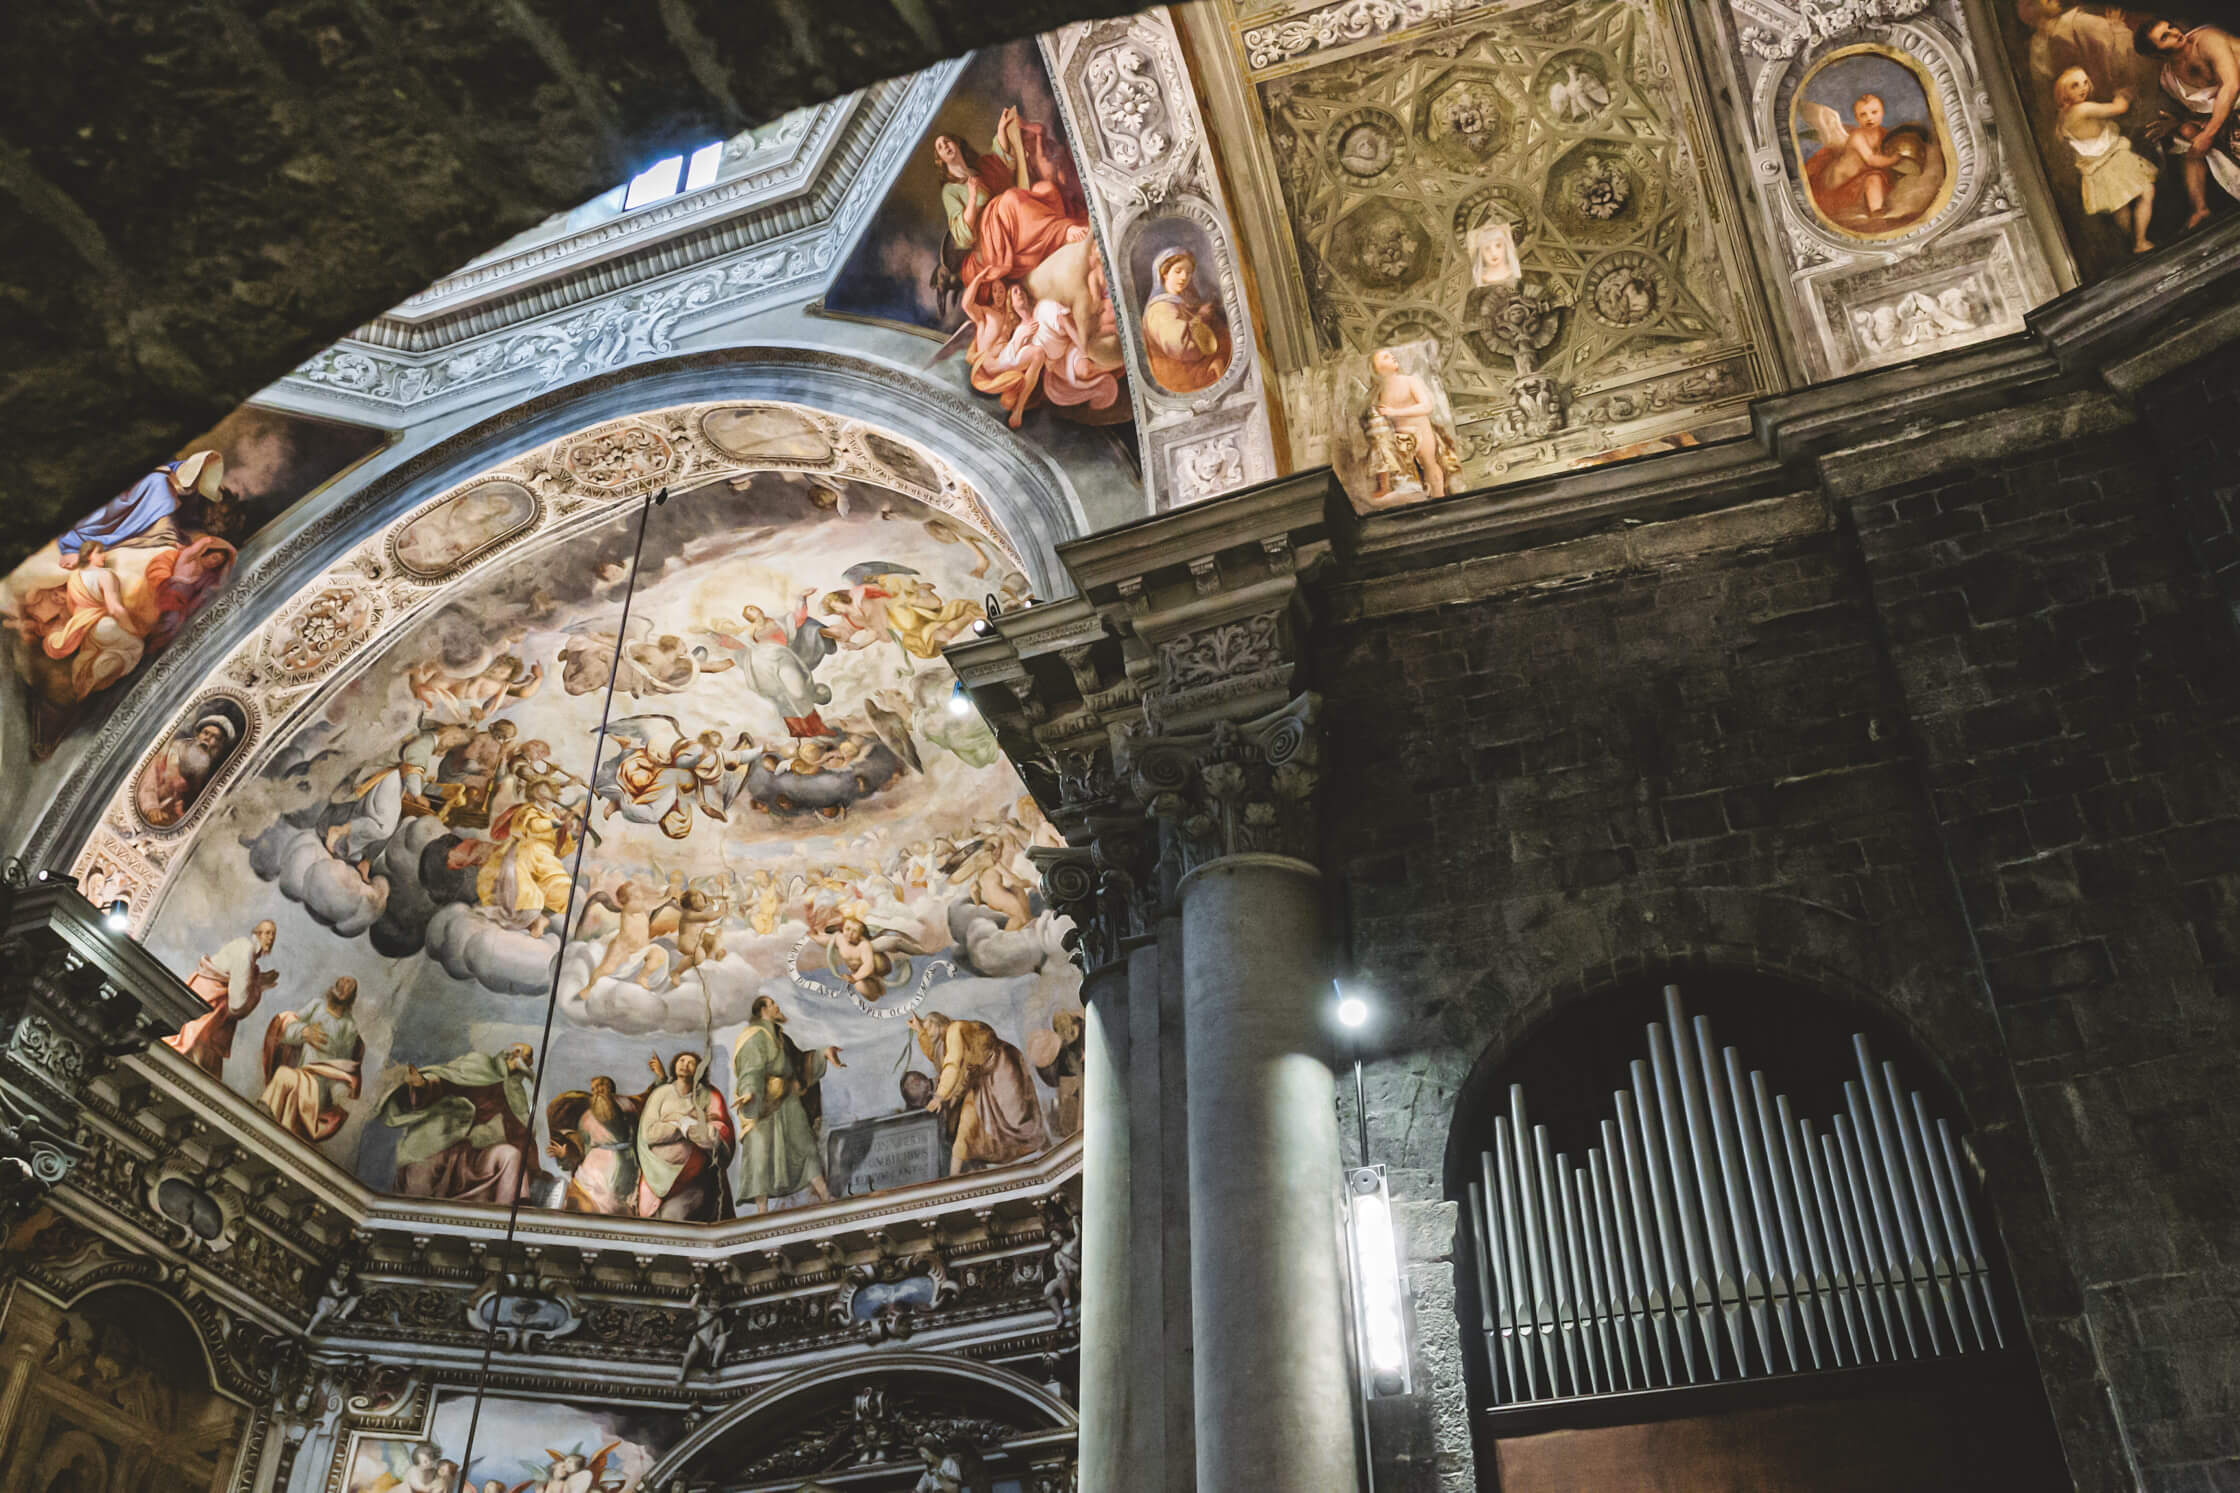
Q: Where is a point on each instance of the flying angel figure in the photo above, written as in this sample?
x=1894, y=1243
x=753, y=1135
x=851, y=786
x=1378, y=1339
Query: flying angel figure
x=649, y=665
x=889, y=710
x=661, y=774
x=573, y=1472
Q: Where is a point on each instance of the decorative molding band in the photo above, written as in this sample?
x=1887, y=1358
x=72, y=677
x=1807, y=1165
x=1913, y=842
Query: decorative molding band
x=562, y=313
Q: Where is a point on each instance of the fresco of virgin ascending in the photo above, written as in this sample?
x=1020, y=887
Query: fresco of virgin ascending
x=785, y=918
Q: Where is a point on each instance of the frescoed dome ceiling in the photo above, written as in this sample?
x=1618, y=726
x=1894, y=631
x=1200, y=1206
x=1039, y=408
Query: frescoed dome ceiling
x=792, y=857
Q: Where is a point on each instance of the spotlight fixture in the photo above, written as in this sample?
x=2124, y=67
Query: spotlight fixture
x=119, y=916
x=960, y=703
x=1352, y=1011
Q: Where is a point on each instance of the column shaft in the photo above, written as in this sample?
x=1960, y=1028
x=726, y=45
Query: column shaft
x=1274, y=1388
x=1107, y=1312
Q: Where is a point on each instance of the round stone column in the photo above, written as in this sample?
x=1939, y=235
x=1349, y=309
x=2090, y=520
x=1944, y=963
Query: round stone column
x=1107, y=1315
x=1273, y=1383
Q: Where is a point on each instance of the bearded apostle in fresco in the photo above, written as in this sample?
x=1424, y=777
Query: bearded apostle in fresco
x=595, y=1140
x=168, y=787
x=984, y=1095
x=311, y=1063
x=230, y=982
x=464, y=1127
x=774, y=1088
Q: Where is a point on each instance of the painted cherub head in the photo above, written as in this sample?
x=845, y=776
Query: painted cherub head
x=2072, y=87
x=1867, y=110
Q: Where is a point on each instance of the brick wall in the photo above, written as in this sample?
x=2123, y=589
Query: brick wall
x=1967, y=756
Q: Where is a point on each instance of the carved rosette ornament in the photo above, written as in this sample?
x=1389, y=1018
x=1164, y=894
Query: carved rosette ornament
x=1231, y=790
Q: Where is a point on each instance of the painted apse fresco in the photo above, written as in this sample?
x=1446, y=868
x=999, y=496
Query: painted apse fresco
x=786, y=920
x=2132, y=111
x=985, y=241
x=88, y=610
x=512, y=1445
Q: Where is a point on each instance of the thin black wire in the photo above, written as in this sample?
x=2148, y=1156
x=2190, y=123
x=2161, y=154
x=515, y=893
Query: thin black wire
x=552, y=995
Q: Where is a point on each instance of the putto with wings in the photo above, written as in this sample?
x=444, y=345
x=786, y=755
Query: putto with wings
x=1867, y=177
x=660, y=774
x=573, y=1472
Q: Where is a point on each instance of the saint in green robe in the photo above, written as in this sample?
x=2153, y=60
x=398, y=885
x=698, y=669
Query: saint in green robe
x=774, y=1084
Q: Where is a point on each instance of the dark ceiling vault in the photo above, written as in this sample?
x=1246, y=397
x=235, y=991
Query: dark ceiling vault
x=201, y=195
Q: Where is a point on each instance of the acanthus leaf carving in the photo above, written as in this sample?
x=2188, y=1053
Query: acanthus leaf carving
x=1339, y=25
x=1815, y=22
x=1237, y=788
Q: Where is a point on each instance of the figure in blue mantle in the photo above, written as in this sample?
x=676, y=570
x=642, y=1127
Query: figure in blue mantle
x=146, y=513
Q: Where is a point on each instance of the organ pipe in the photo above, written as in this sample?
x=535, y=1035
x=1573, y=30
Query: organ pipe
x=1712, y=1233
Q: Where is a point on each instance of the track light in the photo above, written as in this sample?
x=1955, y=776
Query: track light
x=118, y=917
x=960, y=703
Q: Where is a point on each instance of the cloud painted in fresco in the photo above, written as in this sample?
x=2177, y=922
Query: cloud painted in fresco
x=403, y=914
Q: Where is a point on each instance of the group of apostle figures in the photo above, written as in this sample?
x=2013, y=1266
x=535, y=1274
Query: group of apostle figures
x=465, y=1127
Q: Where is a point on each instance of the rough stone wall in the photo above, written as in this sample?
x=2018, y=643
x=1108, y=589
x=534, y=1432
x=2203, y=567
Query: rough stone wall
x=2195, y=417
x=201, y=196
x=1969, y=760
x=2072, y=683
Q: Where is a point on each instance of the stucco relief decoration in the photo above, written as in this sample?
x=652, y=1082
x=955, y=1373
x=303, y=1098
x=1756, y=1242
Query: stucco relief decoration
x=1210, y=467
x=1130, y=111
x=1883, y=189
x=627, y=329
x=620, y=458
x=1522, y=190
x=1158, y=204
x=1780, y=31
x=1340, y=25
x=1233, y=650
x=324, y=628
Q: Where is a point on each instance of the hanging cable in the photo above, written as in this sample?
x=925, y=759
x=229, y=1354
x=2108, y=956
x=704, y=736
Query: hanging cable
x=552, y=993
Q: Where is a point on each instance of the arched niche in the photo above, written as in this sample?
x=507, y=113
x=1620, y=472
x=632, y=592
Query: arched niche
x=867, y=1416
x=117, y=1397
x=1787, y=1406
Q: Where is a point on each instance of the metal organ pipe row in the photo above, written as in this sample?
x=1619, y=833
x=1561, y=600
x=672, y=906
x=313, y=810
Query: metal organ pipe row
x=1714, y=1235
